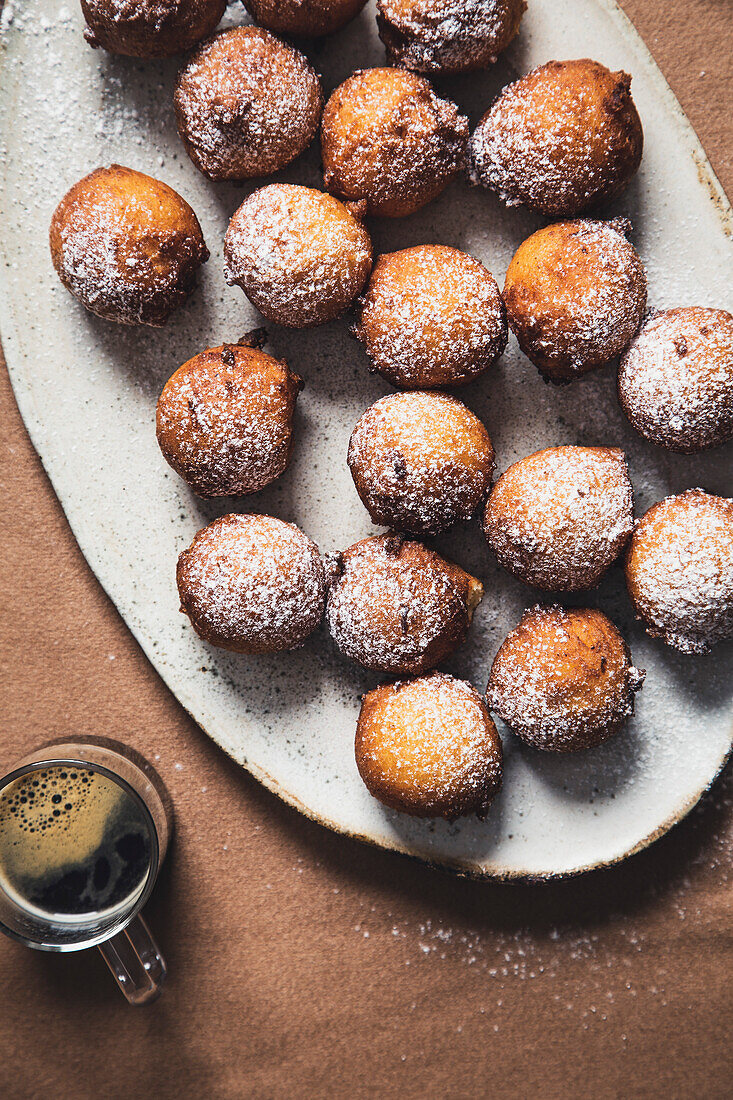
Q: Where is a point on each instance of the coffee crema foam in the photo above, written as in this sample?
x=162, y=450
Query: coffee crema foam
x=72, y=841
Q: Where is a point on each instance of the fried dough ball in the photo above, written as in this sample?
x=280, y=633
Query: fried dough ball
x=560, y=140
x=432, y=36
x=304, y=18
x=246, y=104
x=432, y=316
x=299, y=255
x=149, y=28
x=127, y=246
x=397, y=607
x=225, y=420
x=252, y=584
x=428, y=747
x=563, y=679
x=575, y=294
x=560, y=517
x=679, y=570
x=386, y=137
x=420, y=462
x=675, y=382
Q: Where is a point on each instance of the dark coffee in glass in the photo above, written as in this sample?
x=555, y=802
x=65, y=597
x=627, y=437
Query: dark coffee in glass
x=74, y=846
x=83, y=830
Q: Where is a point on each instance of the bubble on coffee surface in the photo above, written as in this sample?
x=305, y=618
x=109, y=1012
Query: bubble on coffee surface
x=72, y=842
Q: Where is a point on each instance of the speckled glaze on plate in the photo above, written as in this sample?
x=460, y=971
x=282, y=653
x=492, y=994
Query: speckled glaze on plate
x=87, y=391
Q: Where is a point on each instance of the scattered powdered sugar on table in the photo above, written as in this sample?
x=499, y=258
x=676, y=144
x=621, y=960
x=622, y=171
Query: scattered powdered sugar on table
x=607, y=939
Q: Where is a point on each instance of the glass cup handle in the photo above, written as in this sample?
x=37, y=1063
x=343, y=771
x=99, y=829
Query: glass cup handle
x=136, y=963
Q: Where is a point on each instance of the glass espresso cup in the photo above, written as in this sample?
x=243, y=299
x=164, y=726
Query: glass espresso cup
x=84, y=828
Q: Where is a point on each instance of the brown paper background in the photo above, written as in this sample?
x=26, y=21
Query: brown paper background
x=304, y=964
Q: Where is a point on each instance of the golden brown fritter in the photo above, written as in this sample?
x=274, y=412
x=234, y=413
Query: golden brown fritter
x=299, y=255
x=225, y=420
x=447, y=36
x=575, y=295
x=559, y=518
x=428, y=747
x=304, y=18
x=560, y=140
x=396, y=607
x=127, y=246
x=252, y=584
x=386, y=137
x=563, y=679
x=432, y=316
x=679, y=570
x=420, y=462
x=675, y=381
x=149, y=28
x=246, y=104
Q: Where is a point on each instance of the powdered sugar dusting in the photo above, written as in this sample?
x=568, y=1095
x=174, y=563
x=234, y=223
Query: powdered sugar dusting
x=252, y=584
x=447, y=35
x=246, y=104
x=675, y=382
x=559, y=139
x=297, y=253
x=397, y=607
x=420, y=461
x=563, y=680
x=560, y=517
x=680, y=570
x=428, y=746
x=433, y=316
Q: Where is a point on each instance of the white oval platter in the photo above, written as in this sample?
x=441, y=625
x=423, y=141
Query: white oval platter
x=87, y=391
